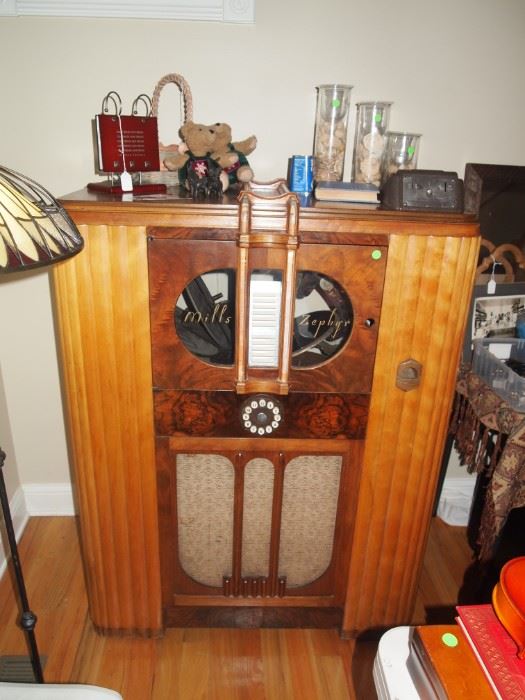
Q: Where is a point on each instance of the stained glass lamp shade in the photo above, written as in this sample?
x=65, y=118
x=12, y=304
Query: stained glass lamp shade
x=34, y=229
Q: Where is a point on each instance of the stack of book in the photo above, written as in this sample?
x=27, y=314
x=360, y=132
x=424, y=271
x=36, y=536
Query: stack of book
x=477, y=658
x=442, y=665
x=358, y=192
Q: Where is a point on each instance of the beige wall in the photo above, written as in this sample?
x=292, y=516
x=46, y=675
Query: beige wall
x=453, y=70
x=10, y=470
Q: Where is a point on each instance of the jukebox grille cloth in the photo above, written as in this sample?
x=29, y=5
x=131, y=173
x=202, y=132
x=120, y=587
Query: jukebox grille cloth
x=257, y=517
x=205, y=499
x=311, y=491
x=205, y=516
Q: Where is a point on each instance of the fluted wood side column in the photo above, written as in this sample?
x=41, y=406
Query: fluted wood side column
x=103, y=307
x=425, y=302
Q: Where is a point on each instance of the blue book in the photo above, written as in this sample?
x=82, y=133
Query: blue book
x=347, y=192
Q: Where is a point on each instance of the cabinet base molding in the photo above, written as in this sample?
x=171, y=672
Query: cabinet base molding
x=255, y=617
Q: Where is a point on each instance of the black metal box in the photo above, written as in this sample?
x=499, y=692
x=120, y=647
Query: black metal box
x=423, y=190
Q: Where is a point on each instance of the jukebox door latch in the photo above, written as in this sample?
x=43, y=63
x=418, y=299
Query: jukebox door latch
x=408, y=375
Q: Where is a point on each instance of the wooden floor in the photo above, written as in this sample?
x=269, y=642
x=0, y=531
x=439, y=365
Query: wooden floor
x=201, y=663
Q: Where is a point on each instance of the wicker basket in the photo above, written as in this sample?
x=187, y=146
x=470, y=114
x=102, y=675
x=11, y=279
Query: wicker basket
x=164, y=176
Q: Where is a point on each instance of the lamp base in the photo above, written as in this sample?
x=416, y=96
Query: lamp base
x=28, y=618
x=18, y=669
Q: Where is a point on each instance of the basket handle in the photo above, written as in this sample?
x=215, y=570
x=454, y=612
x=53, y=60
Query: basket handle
x=183, y=86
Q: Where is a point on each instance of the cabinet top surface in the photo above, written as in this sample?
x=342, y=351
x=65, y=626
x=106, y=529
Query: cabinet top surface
x=178, y=208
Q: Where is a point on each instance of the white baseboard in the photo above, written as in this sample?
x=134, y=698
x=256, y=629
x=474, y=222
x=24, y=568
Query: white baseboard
x=35, y=499
x=19, y=516
x=49, y=499
x=456, y=499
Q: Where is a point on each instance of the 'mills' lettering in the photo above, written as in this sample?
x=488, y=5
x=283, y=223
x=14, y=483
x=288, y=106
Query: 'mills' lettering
x=218, y=315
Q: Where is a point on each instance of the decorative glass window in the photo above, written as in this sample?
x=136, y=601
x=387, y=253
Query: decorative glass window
x=323, y=319
x=205, y=317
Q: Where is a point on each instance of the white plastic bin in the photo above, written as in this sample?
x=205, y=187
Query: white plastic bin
x=489, y=361
x=391, y=676
x=54, y=691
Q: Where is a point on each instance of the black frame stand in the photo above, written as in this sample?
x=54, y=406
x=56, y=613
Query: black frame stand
x=28, y=618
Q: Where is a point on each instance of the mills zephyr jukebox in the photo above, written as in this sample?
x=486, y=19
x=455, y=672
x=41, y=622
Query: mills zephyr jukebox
x=234, y=464
x=263, y=351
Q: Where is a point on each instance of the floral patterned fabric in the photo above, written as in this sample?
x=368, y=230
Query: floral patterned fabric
x=490, y=437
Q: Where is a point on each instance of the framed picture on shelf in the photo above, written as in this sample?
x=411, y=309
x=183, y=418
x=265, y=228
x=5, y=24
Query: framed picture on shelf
x=496, y=194
x=493, y=315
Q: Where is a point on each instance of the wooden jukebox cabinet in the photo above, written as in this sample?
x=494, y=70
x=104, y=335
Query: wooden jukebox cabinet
x=258, y=395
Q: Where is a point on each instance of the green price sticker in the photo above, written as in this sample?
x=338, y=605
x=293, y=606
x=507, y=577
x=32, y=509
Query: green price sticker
x=376, y=255
x=449, y=639
x=378, y=117
x=336, y=103
x=411, y=150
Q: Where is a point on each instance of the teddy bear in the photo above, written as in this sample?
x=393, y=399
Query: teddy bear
x=232, y=156
x=204, y=143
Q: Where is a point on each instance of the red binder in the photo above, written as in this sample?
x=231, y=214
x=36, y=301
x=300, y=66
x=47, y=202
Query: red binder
x=128, y=137
x=126, y=144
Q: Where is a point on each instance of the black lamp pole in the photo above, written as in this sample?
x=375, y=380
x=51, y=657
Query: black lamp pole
x=28, y=618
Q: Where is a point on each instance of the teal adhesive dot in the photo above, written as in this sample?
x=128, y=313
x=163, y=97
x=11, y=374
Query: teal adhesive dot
x=449, y=639
x=336, y=103
x=376, y=255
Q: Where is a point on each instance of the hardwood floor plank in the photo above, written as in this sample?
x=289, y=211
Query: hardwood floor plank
x=303, y=666
x=169, y=667
x=56, y=592
x=60, y=623
x=201, y=664
x=194, y=678
x=327, y=655
x=236, y=663
x=276, y=670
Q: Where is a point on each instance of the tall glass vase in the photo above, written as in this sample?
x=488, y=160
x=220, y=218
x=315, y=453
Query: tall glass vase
x=370, y=141
x=331, y=125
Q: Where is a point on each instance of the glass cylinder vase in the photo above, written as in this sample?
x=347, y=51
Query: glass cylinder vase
x=331, y=125
x=370, y=141
x=401, y=152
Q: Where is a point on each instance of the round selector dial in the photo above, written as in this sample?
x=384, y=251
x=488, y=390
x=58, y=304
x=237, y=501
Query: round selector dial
x=261, y=414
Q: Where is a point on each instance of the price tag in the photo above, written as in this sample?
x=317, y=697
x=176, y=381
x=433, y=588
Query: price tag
x=491, y=286
x=126, y=182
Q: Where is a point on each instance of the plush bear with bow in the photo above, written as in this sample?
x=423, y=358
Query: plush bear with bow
x=232, y=156
x=203, y=142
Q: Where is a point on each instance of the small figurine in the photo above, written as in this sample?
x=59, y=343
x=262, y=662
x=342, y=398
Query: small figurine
x=203, y=178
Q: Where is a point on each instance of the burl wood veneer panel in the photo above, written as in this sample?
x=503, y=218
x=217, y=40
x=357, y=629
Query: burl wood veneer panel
x=427, y=289
x=102, y=299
